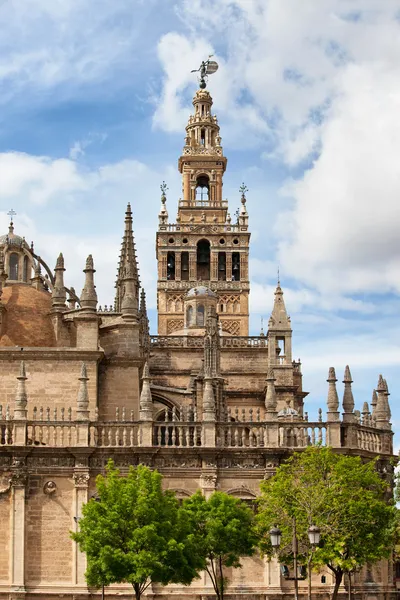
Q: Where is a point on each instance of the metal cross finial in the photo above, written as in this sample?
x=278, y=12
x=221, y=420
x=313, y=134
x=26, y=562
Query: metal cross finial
x=11, y=213
x=279, y=279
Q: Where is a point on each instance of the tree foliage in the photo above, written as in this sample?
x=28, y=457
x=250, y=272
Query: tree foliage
x=340, y=494
x=134, y=532
x=222, y=532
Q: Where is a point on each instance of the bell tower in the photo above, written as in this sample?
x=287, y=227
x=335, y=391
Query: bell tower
x=205, y=247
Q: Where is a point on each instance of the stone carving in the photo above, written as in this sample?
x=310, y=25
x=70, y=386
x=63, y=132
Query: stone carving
x=174, y=325
x=208, y=481
x=18, y=478
x=49, y=488
x=5, y=482
x=50, y=461
x=232, y=327
x=81, y=480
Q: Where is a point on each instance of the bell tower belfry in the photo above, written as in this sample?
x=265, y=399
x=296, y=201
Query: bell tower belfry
x=204, y=247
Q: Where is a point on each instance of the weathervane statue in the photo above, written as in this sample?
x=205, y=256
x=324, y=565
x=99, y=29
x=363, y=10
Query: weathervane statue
x=207, y=67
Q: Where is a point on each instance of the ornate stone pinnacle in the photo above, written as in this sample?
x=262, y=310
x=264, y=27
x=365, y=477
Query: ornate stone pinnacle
x=59, y=294
x=270, y=394
x=89, y=296
x=381, y=384
x=348, y=399
x=60, y=262
x=208, y=401
x=347, y=375
x=333, y=399
x=89, y=264
x=82, y=413
x=21, y=398
x=331, y=375
x=146, y=401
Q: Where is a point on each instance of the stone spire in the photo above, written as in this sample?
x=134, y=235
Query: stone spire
x=144, y=325
x=59, y=294
x=82, y=411
x=374, y=402
x=21, y=398
x=163, y=214
x=365, y=414
x=387, y=405
x=279, y=318
x=270, y=394
x=127, y=295
x=348, y=400
x=333, y=399
x=382, y=411
x=146, y=401
x=88, y=296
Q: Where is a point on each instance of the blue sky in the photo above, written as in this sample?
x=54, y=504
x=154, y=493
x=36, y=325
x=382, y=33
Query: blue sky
x=94, y=98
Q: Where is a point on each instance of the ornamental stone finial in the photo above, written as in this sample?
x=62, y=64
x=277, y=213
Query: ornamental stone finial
x=348, y=399
x=270, y=393
x=333, y=399
x=59, y=294
x=89, y=296
x=146, y=401
x=82, y=413
x=382, y=410
x=21, y=398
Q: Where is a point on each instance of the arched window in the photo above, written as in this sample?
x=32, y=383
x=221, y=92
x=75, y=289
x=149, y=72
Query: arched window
x=235, y=266
x=185, y=266
x=203, y=260
x=203, y=134
x=171, y=266
x=221, y=266
x=189, y=316
x=13, y=266
x=202, y=190
x=25, y=273
x=200, y=315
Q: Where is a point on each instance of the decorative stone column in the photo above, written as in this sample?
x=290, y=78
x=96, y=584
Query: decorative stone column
x=208, y=483
x=81, y=480
x=18, y=481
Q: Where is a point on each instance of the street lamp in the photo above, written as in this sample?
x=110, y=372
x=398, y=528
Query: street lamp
x=276, y=535
x=314, y=535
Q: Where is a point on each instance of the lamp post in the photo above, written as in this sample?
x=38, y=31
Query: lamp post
x=314, y=535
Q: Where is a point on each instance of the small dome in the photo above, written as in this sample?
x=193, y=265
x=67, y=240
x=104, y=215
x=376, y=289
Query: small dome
x=11, y=238
x=201, y=291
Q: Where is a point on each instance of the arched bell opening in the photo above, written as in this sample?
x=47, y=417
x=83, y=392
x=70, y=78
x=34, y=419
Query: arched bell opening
x=203, y=260
x=202, y=190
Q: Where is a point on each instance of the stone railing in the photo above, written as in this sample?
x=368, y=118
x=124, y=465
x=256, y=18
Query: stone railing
x=238, y=428
x=181, y=341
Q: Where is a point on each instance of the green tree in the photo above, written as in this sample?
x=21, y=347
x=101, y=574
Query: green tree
x=340, y=494
x=134, y=532
x=222, y=532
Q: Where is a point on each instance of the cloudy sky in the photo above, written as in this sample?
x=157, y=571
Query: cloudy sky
x=94, y=98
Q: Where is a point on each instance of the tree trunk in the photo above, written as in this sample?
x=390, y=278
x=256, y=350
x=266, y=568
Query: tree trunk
x=138, y=593
x=221, y=579
x=338, y=581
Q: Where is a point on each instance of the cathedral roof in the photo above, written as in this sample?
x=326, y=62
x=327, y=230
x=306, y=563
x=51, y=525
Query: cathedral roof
x=200, y=291
x=26, y=320
x=12, y=238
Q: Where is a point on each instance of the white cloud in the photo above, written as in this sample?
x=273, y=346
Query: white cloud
x=37, y=186
x=312, y=80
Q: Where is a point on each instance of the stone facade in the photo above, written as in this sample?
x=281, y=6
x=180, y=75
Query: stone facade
x=205, y=403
